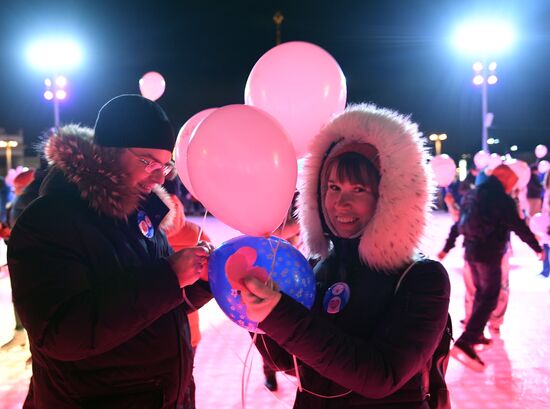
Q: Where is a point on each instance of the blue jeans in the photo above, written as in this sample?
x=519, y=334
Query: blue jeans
x=546, y=263
x=486, y=278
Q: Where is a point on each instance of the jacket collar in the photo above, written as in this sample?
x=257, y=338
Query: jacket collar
x=96, y=174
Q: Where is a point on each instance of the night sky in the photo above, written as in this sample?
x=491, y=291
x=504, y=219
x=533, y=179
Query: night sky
x=396, y=54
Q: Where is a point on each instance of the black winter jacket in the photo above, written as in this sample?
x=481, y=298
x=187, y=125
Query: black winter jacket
x=496, y=217
x=377, y=351
x=102, y=307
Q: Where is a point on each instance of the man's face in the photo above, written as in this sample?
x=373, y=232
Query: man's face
x=146, y=167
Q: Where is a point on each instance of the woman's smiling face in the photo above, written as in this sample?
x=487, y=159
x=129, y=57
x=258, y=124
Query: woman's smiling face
x=351, y=197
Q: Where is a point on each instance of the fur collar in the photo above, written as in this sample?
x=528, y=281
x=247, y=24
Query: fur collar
x=392, y=237
x=97, y=173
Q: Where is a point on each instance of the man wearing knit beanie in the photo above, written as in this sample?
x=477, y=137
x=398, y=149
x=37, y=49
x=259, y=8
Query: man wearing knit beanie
x=487, y=216
x=101, y=293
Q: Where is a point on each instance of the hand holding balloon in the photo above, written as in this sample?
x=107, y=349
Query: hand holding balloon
x=260, y=298
x=269, y=262
x=240, y=266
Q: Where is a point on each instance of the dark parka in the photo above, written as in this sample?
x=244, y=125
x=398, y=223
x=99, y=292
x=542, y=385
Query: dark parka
x=103, y=309
x=487, y=217
x=376, y=352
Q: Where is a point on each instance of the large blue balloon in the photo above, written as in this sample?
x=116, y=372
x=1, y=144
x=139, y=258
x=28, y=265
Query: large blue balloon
x=291, y=271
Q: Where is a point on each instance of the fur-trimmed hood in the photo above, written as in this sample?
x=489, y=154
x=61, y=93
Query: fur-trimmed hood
x=97, y=173
x=393, y=235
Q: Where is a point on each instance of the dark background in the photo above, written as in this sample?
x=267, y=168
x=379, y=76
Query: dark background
x=396, y=54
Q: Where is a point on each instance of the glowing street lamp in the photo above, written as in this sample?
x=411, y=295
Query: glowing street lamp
x=485, y=75
x=8, y=145
x=55, y=91
x=484, y=39
x=54, y=56
x=437, y=139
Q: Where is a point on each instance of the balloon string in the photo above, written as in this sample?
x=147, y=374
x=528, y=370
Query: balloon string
x=221, y=335
x=201, y=228
x=244, y=383
x=282, y=227
x=297, y=373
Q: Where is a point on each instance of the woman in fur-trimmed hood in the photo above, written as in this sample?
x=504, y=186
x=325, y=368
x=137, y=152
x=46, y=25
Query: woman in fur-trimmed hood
x=380, y=307
x=94, y=280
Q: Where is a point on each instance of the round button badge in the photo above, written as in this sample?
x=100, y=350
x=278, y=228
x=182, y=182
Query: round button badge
x=336, y=297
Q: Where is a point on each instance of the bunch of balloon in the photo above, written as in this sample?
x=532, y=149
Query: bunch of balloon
x=263, y=258
x=182, y=144
x=152, y=85
x=301, y=85
x=242, y=167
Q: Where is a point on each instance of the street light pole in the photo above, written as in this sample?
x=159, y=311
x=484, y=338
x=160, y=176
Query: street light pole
x=485, y=76
x=56, y=112
x=7, y=145
x=437, y=139
x=484, y=130
x=278, y=20
x=55, y=92
x=485, y=39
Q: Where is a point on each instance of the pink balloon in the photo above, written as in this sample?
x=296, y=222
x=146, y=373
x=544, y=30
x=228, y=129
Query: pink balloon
x=301, y=85
x=152, y=85
x=481, y=159
x=539, y=223
x=494, y=160
x=444, y=169
x=243, y=168
x=182, y=142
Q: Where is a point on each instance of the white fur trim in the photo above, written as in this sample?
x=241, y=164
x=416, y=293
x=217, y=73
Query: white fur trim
x=393, y=235
x=163, y=195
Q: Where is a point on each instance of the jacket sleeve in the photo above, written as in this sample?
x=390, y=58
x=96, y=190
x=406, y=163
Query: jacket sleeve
x=196, y=295
x=69, y=311
x=451, y=239
x=519, y=226
x=399, y=348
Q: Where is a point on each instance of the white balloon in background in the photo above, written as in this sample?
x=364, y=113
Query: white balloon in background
x=444, y=169
x=544, y=166
x=152, y=85
x=541, y=151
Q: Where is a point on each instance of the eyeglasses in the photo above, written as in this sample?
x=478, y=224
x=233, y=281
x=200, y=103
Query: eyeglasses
x=152, y=165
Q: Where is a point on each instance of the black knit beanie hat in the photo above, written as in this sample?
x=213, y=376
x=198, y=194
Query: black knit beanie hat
x=132, y=121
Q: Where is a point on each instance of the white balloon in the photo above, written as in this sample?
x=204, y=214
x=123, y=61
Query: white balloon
x=541, y=151
x=152, y=85
x=544, y=166
x=444, y=169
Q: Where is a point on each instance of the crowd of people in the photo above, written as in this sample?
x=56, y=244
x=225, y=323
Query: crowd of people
x=107, y=274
